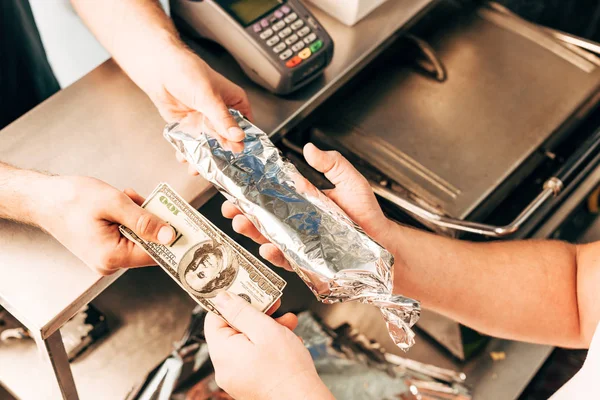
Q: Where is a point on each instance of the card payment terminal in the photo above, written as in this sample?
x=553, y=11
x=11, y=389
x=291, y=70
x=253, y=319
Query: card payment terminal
x=278, y=43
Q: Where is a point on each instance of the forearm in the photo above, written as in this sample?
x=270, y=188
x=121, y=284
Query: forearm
x=137, y=33
x=518, y=290
x=19, y=190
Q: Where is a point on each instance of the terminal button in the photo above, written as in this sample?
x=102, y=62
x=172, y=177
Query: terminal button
x=291, y=18
x=310, y=38
x=293, y=62
x=291, y=40
x=285, y=32
x=297, y=47
x=278, y=26
x=279, y=47
x=273, y=41
x=266, y=34
x=286, y=54
x=316, y=46
x=304, y=54
x=297, y=24
x=304, y=31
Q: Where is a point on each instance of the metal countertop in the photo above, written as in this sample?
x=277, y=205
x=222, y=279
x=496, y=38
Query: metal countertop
x=104, y=126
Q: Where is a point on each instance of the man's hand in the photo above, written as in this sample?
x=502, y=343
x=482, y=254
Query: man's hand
x=185, y=84
x=352, y=193
x=144, y=42
x=188, y=89
x=84, y=214
x=264, y=359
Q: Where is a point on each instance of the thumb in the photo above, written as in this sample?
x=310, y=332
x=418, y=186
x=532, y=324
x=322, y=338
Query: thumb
x=146, y=225
x=336, y=168
x=243, y=317
x=217, y=113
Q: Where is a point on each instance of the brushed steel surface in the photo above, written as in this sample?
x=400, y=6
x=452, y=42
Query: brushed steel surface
x=102, y=126
x=57, y=368
x=146, y=313
x=459, y=143
x=422, y=214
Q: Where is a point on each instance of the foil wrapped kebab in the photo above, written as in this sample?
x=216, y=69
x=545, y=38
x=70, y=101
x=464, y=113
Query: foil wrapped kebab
x=333, y=256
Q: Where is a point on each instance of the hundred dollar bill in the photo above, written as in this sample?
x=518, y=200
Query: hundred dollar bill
x=202, y=259
x=278, y=281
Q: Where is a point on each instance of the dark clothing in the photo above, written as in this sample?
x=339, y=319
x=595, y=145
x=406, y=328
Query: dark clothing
x=26, y=78
x=578, y=17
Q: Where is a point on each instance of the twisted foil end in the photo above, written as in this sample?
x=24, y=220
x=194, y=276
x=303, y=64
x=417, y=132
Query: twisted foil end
x=400, y=314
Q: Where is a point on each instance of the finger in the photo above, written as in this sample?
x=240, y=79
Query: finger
x=243, y=106
x=192, y=170
x=243, y=226
x=216, y=330
x=218, y=114
x=135, y=257
x=144, y=224
x=245, y=318
x=229, y=210
x=125, y=254
x=288, y=320
x=336, y=168
x=272, y=254
x=133, y=195
x=180, y=157
x=274, y=307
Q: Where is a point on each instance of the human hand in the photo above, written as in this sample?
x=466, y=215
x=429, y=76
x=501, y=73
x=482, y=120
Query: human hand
x=190, y=89
x=264, y=359
x=84, y=215
x=352, y=193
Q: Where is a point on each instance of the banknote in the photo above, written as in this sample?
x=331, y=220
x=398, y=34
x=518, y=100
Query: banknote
x=202, y=259
x=278, y=281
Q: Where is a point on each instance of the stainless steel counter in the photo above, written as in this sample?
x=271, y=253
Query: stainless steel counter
x=103, y=126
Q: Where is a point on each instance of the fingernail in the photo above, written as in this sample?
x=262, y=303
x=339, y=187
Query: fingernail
x=235, y=133
x=309, y=144
x=222, y=299
x=166, y=234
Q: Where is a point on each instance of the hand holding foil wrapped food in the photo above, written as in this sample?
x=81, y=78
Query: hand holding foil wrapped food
x=333, y=256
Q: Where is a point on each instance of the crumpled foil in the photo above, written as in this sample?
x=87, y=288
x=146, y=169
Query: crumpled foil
x=333, y=256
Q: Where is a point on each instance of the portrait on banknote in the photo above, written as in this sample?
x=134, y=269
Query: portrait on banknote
x=208, y=268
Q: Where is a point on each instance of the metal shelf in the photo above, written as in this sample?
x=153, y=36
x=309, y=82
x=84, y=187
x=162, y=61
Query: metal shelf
x=146, y=312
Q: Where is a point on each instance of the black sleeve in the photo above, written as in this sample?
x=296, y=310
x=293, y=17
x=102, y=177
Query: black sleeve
x=26, y=78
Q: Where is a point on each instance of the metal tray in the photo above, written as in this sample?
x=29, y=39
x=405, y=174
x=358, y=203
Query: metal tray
x=510, y=92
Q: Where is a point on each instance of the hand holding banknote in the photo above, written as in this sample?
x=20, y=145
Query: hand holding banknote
x=202, y=259
x=84, y=215
x=263, y=359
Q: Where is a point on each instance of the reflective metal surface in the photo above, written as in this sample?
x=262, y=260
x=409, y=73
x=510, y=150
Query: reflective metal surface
x=551, y=189
x=463, y=144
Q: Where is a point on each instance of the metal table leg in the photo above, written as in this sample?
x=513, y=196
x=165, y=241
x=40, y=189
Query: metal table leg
x=54, y=355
